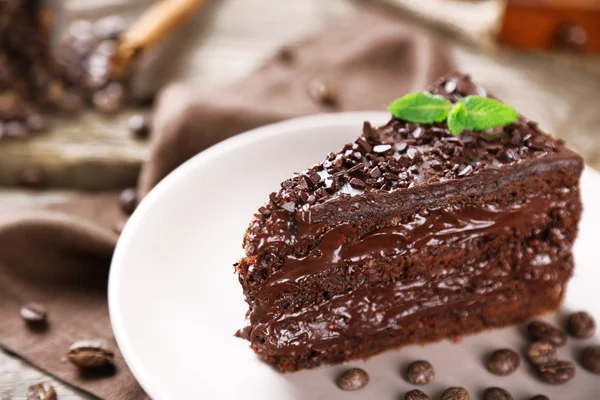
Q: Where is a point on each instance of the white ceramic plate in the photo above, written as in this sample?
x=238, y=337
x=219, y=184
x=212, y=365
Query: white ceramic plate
x=175, y=301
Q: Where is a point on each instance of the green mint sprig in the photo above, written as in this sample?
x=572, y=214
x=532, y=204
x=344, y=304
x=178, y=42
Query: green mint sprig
x=475, y=113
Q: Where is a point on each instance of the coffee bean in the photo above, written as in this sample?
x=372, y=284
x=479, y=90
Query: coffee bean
x=503, y=362
x=540, y=397
x=455, y=393
x=32, y=178
x=323, y=91
x=590, y=359
x=286, y=54
x=581, y=325
x=36, y=123
x=16, y=130
x=33, y=313
x=415, y=395
x=128, y=200
x=41, y=391
x=541, y=352
x=420, y=372
x=90, y=354
x=557, y=372
x=139, y=126
x=496, y=393
x=539, y=330
x=353, y=379
x=109, y=99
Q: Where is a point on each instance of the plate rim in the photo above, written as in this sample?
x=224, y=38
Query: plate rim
x=173, y=178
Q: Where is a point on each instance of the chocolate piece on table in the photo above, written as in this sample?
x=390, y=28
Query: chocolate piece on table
x=359, y=270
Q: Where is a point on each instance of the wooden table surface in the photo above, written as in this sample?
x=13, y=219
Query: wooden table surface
x=566, y=103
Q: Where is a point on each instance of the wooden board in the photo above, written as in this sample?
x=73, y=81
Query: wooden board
x=86, y=152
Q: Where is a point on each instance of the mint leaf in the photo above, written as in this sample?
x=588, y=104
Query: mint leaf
x=485, y=113
x=457, y=119
x=421, y=107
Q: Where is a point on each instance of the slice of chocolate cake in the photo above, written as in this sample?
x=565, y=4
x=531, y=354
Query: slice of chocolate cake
x=411, y=235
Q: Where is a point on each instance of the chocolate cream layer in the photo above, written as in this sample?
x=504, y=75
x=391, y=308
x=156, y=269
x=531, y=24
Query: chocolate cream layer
x=370, y=309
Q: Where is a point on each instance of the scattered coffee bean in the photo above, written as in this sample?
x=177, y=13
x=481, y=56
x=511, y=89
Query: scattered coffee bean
x=540, y=330
x=540, y=397
x=139, y=126
x=36, y=123
x=109, y=99
x=33, y=313
x=90, y=354
x=286, y=54
x=15, y=130
x=541, y=352
x=581, y=325
x=503, y=362
x=323, y=91
x=496, y=393
x=557, y=372
x=353, y=379
x=128, y=200
x=455, y=393
x=590, y=359
x=420, y=372
x=41, y=391
x=32, y=178
x=415, y=395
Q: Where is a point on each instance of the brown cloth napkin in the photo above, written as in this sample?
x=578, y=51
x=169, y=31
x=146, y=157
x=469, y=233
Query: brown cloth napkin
x=60, y=256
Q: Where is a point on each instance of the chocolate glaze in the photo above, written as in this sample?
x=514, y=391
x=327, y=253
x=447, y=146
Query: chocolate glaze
x=366, y=309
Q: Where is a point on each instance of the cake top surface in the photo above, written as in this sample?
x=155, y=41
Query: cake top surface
x=401, y=155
